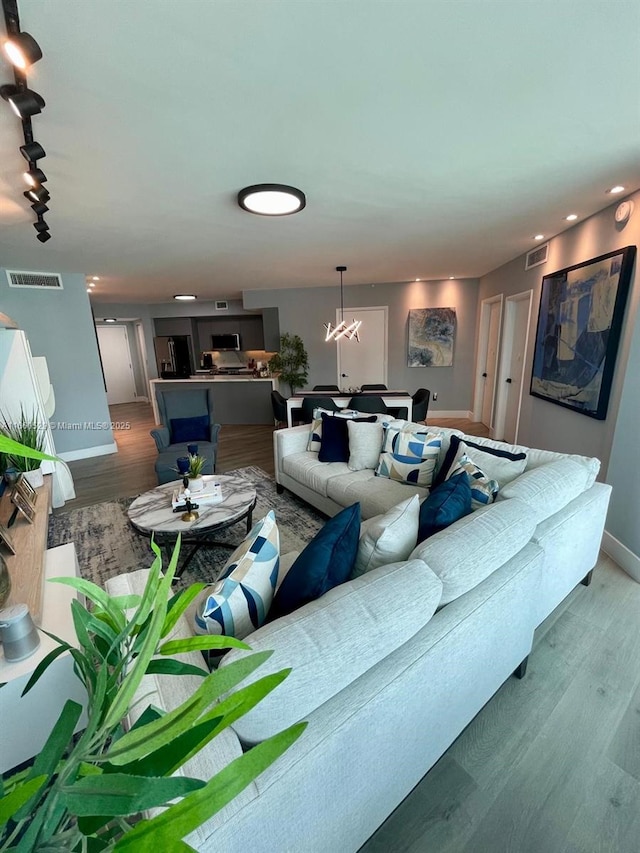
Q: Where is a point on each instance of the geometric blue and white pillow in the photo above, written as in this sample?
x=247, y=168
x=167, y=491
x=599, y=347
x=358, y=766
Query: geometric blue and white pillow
x=483, y=490
x=238, y=603
x=408, y=456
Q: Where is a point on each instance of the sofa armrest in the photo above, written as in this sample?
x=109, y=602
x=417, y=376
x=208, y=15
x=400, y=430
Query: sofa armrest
x=161, y=438
x=289, y=441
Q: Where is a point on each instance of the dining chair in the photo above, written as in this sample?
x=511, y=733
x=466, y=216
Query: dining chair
x=420, y=405
x=311, y=403
x=369, y=404
x=373, y=388
x=326, y=388
x=279, y=406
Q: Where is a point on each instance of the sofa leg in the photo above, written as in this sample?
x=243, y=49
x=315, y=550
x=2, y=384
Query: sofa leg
x=279, y=489
x=586, y=580
x=521, y=669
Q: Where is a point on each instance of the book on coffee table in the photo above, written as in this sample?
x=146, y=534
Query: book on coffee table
x=211, y=494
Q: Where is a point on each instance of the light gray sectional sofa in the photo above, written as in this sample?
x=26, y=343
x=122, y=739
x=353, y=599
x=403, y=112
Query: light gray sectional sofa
x=388, y=668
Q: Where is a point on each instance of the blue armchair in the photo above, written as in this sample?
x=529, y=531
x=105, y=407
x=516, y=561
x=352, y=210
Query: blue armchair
x=187, y=418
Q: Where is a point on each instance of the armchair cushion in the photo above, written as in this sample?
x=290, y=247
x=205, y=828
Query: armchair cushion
x=190, y=429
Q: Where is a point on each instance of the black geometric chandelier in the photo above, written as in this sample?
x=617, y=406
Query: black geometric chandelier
x=22, y=51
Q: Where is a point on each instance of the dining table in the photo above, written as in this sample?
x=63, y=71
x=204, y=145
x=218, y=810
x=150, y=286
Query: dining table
x=391, y=398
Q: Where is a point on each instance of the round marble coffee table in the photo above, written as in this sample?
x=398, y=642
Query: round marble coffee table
x=152, y=515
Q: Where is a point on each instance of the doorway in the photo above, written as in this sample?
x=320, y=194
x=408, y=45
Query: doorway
x=116, y=361
x=366, y=361
x=487, y=361
x=512, y=358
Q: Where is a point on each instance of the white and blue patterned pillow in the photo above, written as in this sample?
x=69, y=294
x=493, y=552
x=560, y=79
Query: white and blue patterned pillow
x=238, y=603
x=483, y=490
x=409, y=456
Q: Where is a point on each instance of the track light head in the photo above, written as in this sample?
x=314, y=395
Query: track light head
x=37, y=194
x=35, y=177
x=39, y=208
x=22, y=50
x=43, y=236
x=40, y=225
x=32, y=151
x=24, y=102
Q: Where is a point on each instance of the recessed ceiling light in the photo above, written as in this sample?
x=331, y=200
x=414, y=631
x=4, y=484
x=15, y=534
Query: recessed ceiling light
x=452, y=276
x=92, y=284
x=95, y=278
x=88, y=290
x=271, y=199
x=110, y=320
x=616, y=189
x=185, y=297
x=539, y=237
x=417, y=279
x=571, y=217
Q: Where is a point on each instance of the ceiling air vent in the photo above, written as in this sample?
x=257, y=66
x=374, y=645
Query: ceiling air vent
x=222, y=305
x=537, y=256
x=38, y=280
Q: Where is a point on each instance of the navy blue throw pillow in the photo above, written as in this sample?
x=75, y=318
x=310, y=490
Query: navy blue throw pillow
x=325, y=562
x=334, y=443
x=446, y=503
x=190, y=429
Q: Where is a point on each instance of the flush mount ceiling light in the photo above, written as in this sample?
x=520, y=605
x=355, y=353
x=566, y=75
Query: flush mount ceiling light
x=22, y=50
x=24, y=102
x=539, y=237
x=342, y=330
x=571, y=217
x=34, y=177
x=110, y=319
x=271, y=199
x=615, y=190
x=32, y=151
x=185, y=297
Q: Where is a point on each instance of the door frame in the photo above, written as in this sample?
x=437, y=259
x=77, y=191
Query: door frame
x=142, y=353
x=385, y=348
x=481, y=360
x=506, y=351
x=126, y=337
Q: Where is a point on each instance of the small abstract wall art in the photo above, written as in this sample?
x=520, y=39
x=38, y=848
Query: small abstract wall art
x=431, y=335
x=581, y=312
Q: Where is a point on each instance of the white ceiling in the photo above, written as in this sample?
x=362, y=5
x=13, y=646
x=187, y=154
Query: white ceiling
x=431, y=138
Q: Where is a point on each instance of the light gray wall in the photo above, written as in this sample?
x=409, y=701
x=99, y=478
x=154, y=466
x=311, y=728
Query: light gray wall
x=304, y=310
x=544, y=424
x=59, y=326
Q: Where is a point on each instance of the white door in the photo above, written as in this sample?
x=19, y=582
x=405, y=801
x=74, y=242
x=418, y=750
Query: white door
x=487, y=361
x=116, y=363
x=364, y=361
x=512, y=358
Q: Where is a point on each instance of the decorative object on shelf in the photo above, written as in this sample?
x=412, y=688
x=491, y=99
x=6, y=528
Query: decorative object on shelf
x=22, y=51
x=22, y=506
x=6, y=542
x=182, y=463
x=25, y=487
x=343, y=330
x=5, y=577
x=192, y=449
x=579, y=324
x=19, y=635
x=72, y=784
x=194, y=474
x=27, y=432
x=292, y=362
x=271, y=199
x=431, y=336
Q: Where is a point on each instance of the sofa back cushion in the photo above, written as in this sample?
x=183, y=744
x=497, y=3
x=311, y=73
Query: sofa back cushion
x=551, y=487
x=365, y=443
x=466, y=553
x=388, y=538
x=331, y=641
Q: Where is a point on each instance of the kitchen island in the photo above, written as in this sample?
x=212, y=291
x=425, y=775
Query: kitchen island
x=238, y=399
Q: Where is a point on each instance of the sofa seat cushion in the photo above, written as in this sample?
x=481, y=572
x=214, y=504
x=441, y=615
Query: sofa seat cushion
x=388, y=538
x=468, y=551
x=375, y=494
x=325, y=562
x=331, y=641
x=308, y=470
x=551, y=487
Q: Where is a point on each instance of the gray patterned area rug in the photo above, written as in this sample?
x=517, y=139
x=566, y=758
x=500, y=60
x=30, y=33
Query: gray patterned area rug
x=107, y=545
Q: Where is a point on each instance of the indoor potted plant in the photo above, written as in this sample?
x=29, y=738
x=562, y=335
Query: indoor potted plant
x=27, y=432
x=291, y=363
x=86, y=792
x=196, y=464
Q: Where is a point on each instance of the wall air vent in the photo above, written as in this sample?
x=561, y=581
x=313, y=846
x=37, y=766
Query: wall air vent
x=222, y=305
x=537, y=256
x=37, y=280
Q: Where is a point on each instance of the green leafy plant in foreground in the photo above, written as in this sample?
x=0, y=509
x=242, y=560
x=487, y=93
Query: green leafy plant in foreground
x=85, y=793
x=24, y=433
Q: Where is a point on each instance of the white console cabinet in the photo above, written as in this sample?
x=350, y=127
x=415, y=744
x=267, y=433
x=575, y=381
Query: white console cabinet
x=26, y=721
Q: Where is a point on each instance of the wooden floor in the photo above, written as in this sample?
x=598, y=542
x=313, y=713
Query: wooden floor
x=130, y=471
x=551, y=764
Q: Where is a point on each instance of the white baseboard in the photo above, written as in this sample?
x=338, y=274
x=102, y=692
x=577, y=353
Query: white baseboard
x=623, y=556
x=88, y=452
x=445, y=413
